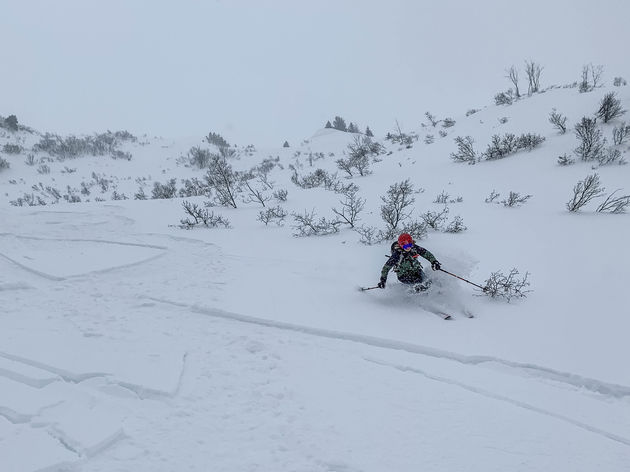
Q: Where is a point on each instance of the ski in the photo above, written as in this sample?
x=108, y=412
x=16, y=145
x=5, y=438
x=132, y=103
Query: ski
x=441, y=314
x=468, y=313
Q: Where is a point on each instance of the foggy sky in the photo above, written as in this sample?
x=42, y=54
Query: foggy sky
x=261, y=71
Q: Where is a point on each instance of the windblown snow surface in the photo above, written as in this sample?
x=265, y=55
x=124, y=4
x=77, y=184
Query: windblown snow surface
x=130, y=344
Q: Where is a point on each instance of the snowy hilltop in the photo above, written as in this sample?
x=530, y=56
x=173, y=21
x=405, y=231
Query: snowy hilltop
x=192, y=304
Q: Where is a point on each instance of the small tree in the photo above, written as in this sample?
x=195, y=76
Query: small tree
x=396, y=205
x=513, y=76
x=328, y=125
x=286, y=144
x=225, y=182
x=533, y=72
x=585, y=191
x=339, y=124
x=610, y=107
x=11, y=123
x=368, y=132
x=350, y=208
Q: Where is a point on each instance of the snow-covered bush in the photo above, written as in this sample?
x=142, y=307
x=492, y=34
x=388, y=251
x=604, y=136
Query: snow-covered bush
x=620, y=133
x=4, y=164
x=281, y=195
x=619, y=82
x=614, y=204
x=12, y=148
x=350, y=208
x=610, y=107
x=515, y=199
x=201, y=217
x=435, y=219
x=501, y=147
x=164, y=191
x=509, y=286
x=504, y=98
x=307, y=224
x=456, y=225
x=558, y=120
x=275, y=214
x=224, y=181
x=465, y=151
x=585, y=191
x=492, y=197
x=396, y=206
x=591, y=144
x=565, y=160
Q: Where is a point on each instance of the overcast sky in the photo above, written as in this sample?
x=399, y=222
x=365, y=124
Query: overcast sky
x=261, y=71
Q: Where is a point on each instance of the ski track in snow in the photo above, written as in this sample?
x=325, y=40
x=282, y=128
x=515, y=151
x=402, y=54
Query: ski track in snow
x=520, y=404
x=596, y=386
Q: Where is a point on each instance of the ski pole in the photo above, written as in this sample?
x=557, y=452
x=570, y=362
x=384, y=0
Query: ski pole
x=363, y=289
x=461, y=278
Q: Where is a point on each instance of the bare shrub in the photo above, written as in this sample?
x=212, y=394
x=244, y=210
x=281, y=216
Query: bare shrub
x=610, y=107
x=43, y=169
x=448, y=122
x=465, y=151
x=558, y=120
x=456, y=225
x=404, y=139
x=565, y=160
x=255, y=194
x=620, y=133
x=350, y=208
x=614, y=204
x=501, y=147
x=275, y=214
x=619, y=82
x=307, y=224
x=199, y=157
x=4, y=164
x=281, y=195
x=513, y=77
x=223, y=180
x=435, y=219
x=416, y=227
x=12, y=148
x=611, y=156
x=201, y=217
x=396, y=205
x=585, y=191
x=369, y=234
x=164, y=191
x=504, y=98
x=442, y=198
x=509, y=286
x=533, y=72
x=515, y=199
x=591, y=144
x=492, y=197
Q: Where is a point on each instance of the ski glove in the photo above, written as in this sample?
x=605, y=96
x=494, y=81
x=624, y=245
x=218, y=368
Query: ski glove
x=381, y=284
x=435, y=265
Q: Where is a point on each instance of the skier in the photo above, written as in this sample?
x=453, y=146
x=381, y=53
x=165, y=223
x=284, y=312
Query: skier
x=404, y=261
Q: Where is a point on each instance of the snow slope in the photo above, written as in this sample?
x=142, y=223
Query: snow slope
x=131, y=344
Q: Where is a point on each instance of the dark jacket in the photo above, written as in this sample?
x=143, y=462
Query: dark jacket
x=406, y=263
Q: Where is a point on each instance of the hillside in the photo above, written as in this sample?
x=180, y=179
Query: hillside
x=131, y=343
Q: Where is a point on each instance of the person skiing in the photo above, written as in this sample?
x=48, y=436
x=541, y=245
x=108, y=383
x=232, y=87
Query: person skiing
x=404, y=261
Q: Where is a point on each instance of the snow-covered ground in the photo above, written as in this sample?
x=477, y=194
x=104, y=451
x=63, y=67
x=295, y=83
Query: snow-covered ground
x=129, y=343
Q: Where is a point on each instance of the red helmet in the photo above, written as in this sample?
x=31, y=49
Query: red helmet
x=405, y=238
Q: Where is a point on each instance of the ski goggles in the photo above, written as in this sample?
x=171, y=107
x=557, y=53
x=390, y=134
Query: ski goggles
x=407, y=246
